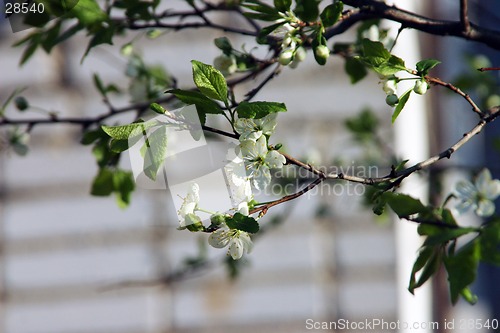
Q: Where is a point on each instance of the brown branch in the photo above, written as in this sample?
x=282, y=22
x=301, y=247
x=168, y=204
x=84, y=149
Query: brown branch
x=456, y=90
x=371, y=9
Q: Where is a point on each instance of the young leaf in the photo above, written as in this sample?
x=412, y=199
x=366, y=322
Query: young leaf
x=391, y=66
x=403, y=205
x=374, y=53
x=445, y=235
x=355, y=69
x=424, y=66
x=203, y=103
x=462, y=269
x=429, y=259
x=401, y=104
x=209, y=81
x=124, y=185
x=258, y=110
x=490, y=243
x=307, y=10
x=331, y=14
x=243, y=223
x=103, y=183
x=88, y=12
x=282, y=5
x=124, y=132
x=155, y=152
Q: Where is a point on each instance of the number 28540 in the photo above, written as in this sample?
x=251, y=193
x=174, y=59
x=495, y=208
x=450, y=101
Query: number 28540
x=24, y=8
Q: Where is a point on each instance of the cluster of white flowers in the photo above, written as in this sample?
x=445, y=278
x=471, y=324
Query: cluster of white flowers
x=254, y=149
x=478, y=195
x=291, y=51
x=250, y=164
x=239, y=241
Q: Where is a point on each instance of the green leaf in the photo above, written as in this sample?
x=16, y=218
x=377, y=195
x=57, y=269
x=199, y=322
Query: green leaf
x=99, y=85
x=90, y=137
x=355, y=69
x=403, y=205
x=331, y=14
x=257, y=110
x=224, y=44
x=243, y=223
x=124, y=185
x=88, y=12
x=203, y=104
x=260, y=7
x=209, y=81
x=118, y=146
x=103, y=183
x=156, y=152
x=374, y=53
x=267, y=30
x=50, y=39
x=401, y=104
x=157, y=108
x=282, y=5
x=462, y=269
x=125, y=132
x=445, y=235
x=429, y=260
x=424, y=66
x=102, y=36
x=490, y=243
x=363, y=126
x=30, y=49
x=391, y=66
x=307, y=10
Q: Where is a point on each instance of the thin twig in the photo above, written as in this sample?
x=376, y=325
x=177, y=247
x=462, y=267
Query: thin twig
x=464, y=16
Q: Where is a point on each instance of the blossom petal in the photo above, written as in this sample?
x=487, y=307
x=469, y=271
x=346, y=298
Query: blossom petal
x=236, y=248
x=493, y=190
x=466, y=190
x=262, y=178
x=243, y=208
x=219, y=238
x=246, y=241
x=464, y=206
x=485, y=208
x=275, y=160
x=261, y=146
x=482, y=180
x=269, y=123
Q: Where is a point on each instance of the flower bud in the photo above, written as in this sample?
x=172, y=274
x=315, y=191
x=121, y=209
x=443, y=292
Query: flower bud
x=286, y=57
x=420, y=87
x=300, y=54
x=392, y=99
x=322, y=52
x=389, y=87
x=21, y=103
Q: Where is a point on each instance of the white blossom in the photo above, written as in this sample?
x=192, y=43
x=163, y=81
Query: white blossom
x=226, y=64
x=478, y=195
x=253, y=129
x=189, y=206
x=259, y=161
x=239, y=242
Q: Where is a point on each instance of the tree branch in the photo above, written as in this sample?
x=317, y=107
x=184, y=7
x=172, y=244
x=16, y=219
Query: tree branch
x=370, y=9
